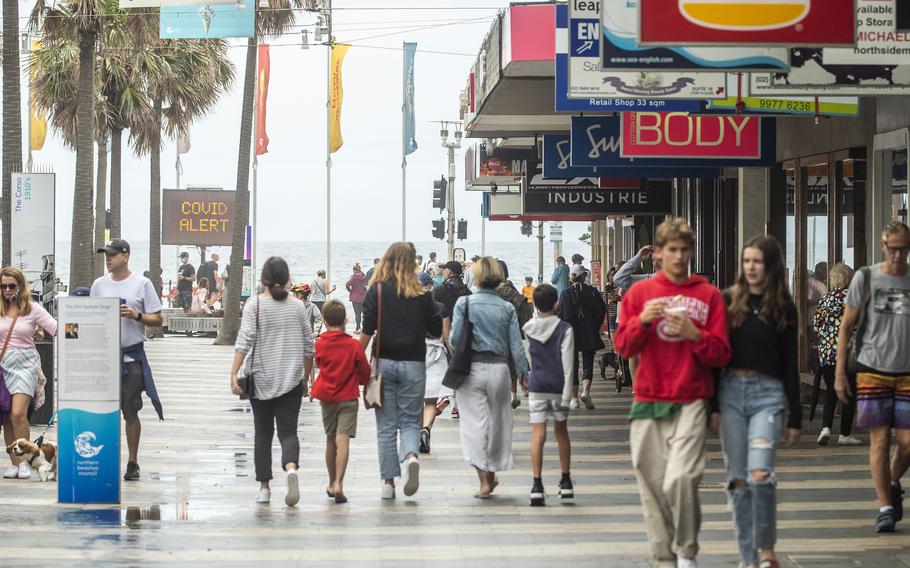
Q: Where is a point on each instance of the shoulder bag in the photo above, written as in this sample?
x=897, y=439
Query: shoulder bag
x=855, y=343
x=373, y=392
x=246, y=383
x=460, y=365
x=6, y=399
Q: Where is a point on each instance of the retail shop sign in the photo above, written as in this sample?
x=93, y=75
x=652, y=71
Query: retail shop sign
x=578, y=34
x=197, y=217
x=809, y=75
x=679, y=135
x=825, y=106
x=877, y=42
x=567, y=200
x=620, y=49
x=747, y=22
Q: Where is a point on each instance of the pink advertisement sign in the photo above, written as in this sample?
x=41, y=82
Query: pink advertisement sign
x=680, y=135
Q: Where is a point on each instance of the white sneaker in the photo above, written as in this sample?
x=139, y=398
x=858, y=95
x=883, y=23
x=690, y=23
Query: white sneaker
x=686, y=562
x=587, y=401
x=849, y=441
x=824, y=436
x=264, y=496
x=12, y=472
x=410, y=475
x=293, y=495
x=25, y=472
x=573, y=403
x=388, y=491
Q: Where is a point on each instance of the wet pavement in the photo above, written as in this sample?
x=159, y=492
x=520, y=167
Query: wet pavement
x=194, y=503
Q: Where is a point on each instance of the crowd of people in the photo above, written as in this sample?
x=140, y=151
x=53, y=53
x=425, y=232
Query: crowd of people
x=430, y=334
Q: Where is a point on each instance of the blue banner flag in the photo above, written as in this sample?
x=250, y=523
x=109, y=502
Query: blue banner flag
x=409, y=133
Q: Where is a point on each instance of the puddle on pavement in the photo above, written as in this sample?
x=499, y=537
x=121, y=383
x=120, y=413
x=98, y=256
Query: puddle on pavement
x=136, y=517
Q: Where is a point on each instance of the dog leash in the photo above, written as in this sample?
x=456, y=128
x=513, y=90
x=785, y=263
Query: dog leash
x=50, y=423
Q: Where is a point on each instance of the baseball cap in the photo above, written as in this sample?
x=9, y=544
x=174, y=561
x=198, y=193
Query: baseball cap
x=115, y=246
x=425, y=279
x=454, y=266
x=183, y=254
x=577, y=270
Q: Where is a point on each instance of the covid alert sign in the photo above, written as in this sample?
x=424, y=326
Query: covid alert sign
x=203, y=217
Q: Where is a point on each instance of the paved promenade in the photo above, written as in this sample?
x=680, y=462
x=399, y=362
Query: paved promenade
x=195, y=505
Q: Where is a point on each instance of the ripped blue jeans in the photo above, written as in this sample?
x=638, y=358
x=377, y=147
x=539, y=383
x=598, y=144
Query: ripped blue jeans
x=752, y=412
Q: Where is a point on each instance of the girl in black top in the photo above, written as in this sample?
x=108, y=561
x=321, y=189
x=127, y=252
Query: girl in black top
x=754, y=393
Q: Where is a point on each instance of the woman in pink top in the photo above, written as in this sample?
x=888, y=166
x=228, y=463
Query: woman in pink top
x=20, y=362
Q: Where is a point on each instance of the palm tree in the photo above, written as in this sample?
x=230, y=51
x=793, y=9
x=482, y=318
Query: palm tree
x=12, y=119
x=274, y=21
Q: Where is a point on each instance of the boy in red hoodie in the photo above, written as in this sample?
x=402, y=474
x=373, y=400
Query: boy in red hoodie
x=677, y=325
x=342, y=367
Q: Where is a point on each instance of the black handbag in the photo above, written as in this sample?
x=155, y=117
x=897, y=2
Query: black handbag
x=460, y=365
x=246, y=383
x=855, y=341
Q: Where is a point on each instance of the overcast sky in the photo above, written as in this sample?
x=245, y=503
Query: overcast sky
x=366, y=177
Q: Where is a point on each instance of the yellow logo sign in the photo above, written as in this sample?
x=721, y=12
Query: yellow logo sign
x=745, y=15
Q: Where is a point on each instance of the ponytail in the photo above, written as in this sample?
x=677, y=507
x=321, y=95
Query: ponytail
x=278, y=291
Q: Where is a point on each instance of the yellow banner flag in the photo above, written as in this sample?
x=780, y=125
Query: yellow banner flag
x=37, y=122
x=336, y=97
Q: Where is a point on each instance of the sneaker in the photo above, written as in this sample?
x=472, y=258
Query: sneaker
x=132, y=472
x=574, y=403
x=293, y=495
x=884, y=522
x=441, y=405
x=25, y=472
x=410, y=475
x=516, y=402
x=454, y=413
x=686, y=562
x=849, y=441
x=897, y=501
x=12, y=472
x=424, y=440
x=769, y=564
x=264, y=496
x=566, y=489
x=587, y=401
x=388, y=491
x=824, y=436
x=538, y=497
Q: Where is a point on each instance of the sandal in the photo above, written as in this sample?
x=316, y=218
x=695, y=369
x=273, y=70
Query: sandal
x=329, y=493
x=479, y=495
x=494, y=484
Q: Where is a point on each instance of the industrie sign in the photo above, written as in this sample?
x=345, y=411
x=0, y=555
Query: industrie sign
x=620, y=49
x=680, y=135
x=747, y=22
x=197, y=217
x=542, y=198
x=579, y=28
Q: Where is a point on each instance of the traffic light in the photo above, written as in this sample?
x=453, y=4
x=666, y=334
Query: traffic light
x=462, y=229
x=526, y=228
x=439, y=229
x=439, y=193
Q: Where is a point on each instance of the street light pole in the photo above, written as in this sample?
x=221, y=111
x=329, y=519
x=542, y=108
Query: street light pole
x=450, y=195
x=540, y=252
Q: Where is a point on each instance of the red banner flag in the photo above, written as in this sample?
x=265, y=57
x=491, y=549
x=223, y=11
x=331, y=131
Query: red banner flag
x=262, y=95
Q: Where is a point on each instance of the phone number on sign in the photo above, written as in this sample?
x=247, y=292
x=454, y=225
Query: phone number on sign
x=779, y=104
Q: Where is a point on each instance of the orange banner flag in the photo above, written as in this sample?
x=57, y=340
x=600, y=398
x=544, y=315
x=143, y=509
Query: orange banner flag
x=262, y=95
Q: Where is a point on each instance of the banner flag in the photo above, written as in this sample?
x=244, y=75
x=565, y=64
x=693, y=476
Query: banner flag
x=337, y=96
x=262, y=97
x=38, y=126
x=410, y=125
x=183, y=143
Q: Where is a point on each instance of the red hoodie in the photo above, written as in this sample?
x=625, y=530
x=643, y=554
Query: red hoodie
x=672, y=369
x=342, y=367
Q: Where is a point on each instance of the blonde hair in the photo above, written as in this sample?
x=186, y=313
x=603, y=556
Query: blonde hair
x=894, y=228
x=673, y=230
x=397, y=268
x=840, y=276
x=25, y=297
x=487, y=273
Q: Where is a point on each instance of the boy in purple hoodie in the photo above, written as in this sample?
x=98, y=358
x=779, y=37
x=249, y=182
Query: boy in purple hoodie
x=552, y=349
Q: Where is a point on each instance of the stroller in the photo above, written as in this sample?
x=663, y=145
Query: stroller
x=622, y=373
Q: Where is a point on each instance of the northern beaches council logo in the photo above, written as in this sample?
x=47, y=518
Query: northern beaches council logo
x=84, y=447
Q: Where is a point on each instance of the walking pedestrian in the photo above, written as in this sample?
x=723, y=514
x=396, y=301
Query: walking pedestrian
x=275, y=349
x=431, y=265
x=140, y=307
x=437, y=364
x=525, y=311
x=320, y=288
x=314, y=316
x=584, y=309
x=528, y=290
x=186, y=275
x=404, y=313
x=828, y=316
x=678, y=325
x=20, y=318
x=343, y=367
x=552, y=349
x=468, y=273
x=371, y=270
x=357, y=289
x=560, y=277
x=879, y=299
x=761, y=380
x=209, y=270
x=447, y=294
x=486, y=416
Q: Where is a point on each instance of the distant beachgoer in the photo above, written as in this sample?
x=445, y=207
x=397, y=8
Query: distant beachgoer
x=200, y=298
x=314, y=316
x=560, y=278
x=186, y=275
x=528, y=290
x=371, y=270
x=431, y=265
x=357, y=289
x=321, y=291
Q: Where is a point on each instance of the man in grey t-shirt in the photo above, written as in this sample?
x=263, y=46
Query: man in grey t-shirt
x=883, y=373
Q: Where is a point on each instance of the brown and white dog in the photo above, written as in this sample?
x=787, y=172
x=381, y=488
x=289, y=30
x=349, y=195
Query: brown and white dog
x=43, y=459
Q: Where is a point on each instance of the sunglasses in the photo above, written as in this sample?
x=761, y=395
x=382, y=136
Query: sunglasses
x=8, y=286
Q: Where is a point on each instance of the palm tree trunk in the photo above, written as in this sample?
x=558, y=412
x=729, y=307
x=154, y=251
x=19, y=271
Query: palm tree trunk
x=116, y=139
x=100, y=205
x=155, y=204
x=231, y=324
x=12, y=120
x=81, y=246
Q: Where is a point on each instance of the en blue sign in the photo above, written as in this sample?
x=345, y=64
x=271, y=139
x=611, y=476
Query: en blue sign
x=88, y=462
x=596, y=141
x=208, y=21
x=556, y=164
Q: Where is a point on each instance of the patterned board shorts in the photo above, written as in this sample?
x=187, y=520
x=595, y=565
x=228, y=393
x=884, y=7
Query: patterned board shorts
x=882, y=400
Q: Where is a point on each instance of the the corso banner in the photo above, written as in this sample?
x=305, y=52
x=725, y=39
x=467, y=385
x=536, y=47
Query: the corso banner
x=680, y=135
x=542, y=198
x=197, y=217
x=747, y=22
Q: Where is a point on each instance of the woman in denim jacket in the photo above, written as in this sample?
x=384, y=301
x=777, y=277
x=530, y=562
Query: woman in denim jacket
x=484, y=399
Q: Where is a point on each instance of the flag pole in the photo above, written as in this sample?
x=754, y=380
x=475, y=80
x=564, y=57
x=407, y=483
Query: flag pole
x=254, y=194
x=404, y=156
x=328, y=160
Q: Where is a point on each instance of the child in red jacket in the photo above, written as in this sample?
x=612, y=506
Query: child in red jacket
x=677, y=325
x=343, y=366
